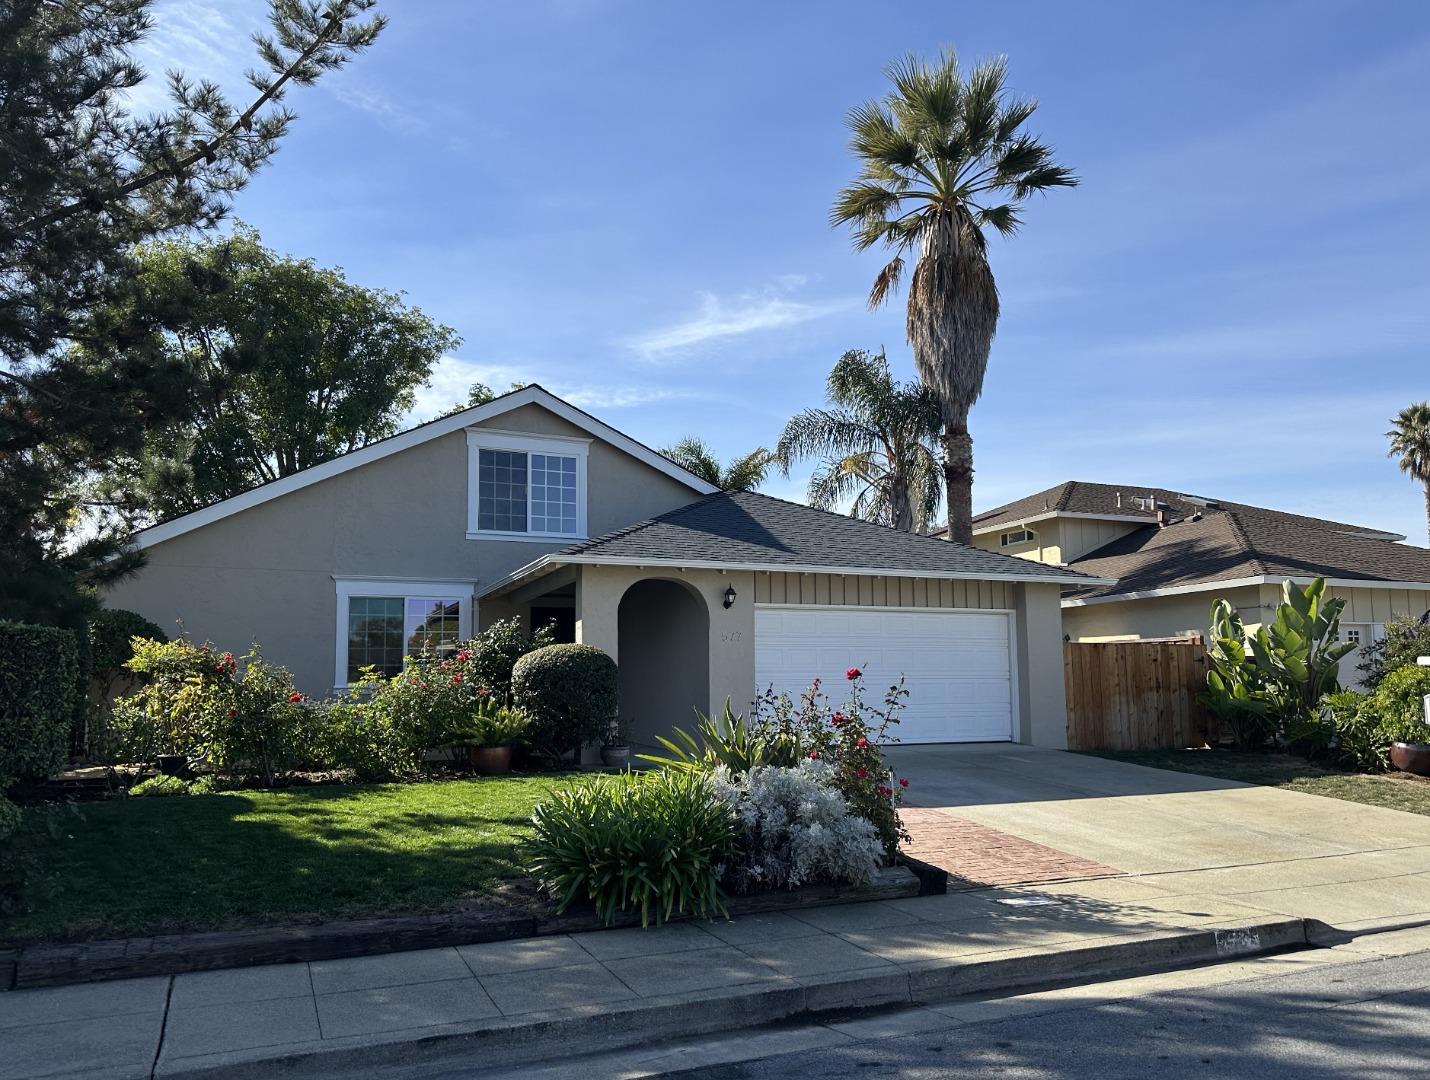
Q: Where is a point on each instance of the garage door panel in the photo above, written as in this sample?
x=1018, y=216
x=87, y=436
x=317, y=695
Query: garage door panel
x=956, y=666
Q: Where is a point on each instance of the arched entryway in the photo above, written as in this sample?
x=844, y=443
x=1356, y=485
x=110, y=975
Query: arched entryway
x=664, y=649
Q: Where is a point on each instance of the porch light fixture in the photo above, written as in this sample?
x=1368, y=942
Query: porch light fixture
x=729, y=596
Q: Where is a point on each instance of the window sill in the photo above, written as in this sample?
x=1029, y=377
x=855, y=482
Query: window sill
x=530, y=538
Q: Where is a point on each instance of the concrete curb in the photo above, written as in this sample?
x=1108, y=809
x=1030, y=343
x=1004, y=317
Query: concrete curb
x=532, y=1037
x=34, y=966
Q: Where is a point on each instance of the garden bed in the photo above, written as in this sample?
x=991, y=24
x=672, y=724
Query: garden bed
x=1394, y=791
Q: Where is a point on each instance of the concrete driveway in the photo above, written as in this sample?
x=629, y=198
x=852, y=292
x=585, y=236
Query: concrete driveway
x=1175, y=833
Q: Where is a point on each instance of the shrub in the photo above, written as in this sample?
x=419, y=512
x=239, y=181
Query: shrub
x=571, y=693
x=256, y=722
x=159, y=787
x=652, y=843
x=730, y=742
x=39, y=691
x=1358, y=743
x=797, y=828
x=241, y=717
x=426, y=702
x=495, y=651
x=492, y=724
x=353, y=734
x=111, y=635
x=850, y=739
x=1275, y=681
x=1399, y=705
x=1405, y=640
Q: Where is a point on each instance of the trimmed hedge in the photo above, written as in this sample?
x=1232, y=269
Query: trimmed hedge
x=40, y=674
x=571, y=691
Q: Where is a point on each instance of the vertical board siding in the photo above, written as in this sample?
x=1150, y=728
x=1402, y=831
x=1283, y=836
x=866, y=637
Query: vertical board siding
x=1136, y=695
x=850, y=590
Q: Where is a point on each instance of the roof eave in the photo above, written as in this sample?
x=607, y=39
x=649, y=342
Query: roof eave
x=557, y=560
x=1237, y=583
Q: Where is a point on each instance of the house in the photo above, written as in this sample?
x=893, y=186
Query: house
x=527, y=506
x=1173, y=554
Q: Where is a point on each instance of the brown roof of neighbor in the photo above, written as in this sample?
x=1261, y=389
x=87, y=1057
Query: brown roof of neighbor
x=1225, y=541
x=1081, y=497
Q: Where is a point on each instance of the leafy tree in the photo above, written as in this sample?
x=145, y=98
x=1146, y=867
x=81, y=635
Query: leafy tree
x=1410, y=442
x=83, y=180
x=943, y=156
x=293, y=365
x=876, y=444
x=744, y=473
x=1406, y=640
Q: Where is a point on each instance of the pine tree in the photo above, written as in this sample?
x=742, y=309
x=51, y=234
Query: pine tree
x=82, y=181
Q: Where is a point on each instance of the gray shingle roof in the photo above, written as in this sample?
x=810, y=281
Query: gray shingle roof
x=746, y=528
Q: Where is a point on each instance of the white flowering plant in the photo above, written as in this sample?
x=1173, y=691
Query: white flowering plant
x=796, y=828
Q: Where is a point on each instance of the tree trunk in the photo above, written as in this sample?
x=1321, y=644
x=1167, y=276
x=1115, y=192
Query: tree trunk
x=902, y=505
x=958, y=480
x=1427, y=508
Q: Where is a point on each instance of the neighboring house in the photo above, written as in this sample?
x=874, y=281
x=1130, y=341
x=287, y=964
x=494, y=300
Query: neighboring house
x=1173, y=554
x=528, y=506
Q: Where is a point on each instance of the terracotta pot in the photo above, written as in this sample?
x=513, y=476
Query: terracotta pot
x=1411, y=757
x=491, y=760
x=616, y=757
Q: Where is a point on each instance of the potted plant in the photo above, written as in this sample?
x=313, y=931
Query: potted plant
x=489, y=734
x=616, y=750
x=1403, y=701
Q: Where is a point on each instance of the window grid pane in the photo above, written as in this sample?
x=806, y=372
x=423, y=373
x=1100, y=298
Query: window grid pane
x=553, y=494
x=501, y=490
x=374, y=634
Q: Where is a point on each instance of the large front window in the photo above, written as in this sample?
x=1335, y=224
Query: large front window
x=381, y=624
x=527, y=486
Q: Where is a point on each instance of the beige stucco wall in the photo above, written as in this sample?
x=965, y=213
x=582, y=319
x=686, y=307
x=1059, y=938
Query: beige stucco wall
x=266, y=574
x=1058, y=540
x=1042, y=719
x=1156, y=617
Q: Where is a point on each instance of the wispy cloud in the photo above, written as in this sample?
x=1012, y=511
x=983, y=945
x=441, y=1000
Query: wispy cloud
x=452, y=377
x=771, y=308
x=382, y=108
x=203, y=38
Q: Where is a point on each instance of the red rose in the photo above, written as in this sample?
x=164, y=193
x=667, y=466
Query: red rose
x=882, y=790
x=232, y=712
x=903, y=781
x=837, y=719
x=863, y=742
x=463, y=655
x=814, y=755
x=295, y=696
x=852, y=674
x=861, y=773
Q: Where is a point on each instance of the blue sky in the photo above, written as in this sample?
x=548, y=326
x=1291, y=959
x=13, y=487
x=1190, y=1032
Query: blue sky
x=627, y=202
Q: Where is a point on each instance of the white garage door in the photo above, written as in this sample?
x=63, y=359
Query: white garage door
x=957, y=666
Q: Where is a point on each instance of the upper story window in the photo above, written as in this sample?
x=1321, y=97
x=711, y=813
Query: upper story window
x=525, y=486
x=1021, y=536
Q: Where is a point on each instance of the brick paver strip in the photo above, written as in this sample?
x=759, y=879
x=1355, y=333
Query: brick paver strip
x=976, y=856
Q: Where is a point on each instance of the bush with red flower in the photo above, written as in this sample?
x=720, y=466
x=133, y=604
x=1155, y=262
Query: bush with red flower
x=850, y=739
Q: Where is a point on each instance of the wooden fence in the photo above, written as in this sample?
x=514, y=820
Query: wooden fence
x=1136, y=695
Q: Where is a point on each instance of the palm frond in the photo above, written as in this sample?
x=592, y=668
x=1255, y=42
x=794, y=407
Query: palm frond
x=886, y=282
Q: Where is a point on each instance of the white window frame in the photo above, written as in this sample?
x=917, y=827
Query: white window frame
x=347, y=588
x=1029, y=536
x=479, y=439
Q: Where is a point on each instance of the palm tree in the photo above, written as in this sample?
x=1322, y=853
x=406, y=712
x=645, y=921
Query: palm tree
x=943, y=156
x=1410, y=442
x=742, y=474
x=876, y=444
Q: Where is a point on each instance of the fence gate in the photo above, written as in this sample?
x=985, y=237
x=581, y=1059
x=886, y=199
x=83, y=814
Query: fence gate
x=1136, y=695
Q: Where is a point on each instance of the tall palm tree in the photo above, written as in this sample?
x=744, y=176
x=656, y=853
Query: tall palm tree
x=1410, y=442
x=876, y=444
x=742, y=474
x=944, y=156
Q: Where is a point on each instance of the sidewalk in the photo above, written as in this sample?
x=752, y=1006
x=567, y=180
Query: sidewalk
x=507, y=1002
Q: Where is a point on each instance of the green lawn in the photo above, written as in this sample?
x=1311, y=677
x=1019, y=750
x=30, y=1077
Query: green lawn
x=246, y=858
x=1399, y=792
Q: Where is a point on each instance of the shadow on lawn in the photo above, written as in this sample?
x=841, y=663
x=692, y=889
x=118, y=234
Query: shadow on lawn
x=144, y=866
